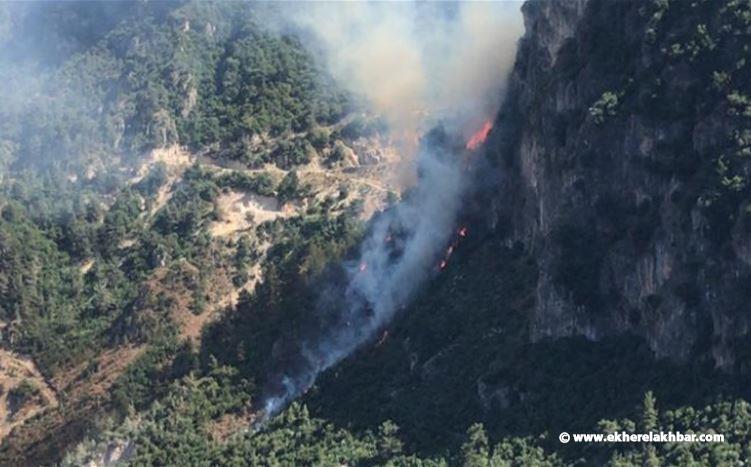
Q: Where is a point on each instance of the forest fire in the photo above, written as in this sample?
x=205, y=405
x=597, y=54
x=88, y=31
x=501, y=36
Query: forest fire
x=460, y=234
x=479, y=136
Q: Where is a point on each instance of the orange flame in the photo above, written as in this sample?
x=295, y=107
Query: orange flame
x=461, y=233
x=479, y=136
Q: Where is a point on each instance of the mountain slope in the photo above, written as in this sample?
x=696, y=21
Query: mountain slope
x=162, y=247
x=620, y=221
x=127, y=223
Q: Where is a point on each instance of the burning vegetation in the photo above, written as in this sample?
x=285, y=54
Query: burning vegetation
x=479, y=137
x=460, y=235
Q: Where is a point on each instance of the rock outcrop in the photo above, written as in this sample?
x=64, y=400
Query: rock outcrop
x=622, y=147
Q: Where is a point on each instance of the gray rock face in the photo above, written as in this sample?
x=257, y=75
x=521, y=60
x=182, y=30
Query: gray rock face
x=606, y=143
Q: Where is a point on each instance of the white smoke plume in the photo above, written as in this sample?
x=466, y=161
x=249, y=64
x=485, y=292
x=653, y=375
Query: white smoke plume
x=415, y=59
x=414, y=63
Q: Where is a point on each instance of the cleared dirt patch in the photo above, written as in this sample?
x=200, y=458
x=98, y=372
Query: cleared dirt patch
x=241, y=211
x=175, y=160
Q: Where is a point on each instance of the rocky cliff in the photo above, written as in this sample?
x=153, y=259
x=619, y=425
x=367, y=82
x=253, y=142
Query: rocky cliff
x=624, y=148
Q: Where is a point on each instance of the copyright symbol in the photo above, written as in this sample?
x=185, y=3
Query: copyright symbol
x=564, y=437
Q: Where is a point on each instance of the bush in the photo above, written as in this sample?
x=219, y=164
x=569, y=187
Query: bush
x=19, y=395
x=318, y=138
x=289, y=187
x=604, y=107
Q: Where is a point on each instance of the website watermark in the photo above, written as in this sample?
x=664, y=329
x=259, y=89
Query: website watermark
x=652, y=437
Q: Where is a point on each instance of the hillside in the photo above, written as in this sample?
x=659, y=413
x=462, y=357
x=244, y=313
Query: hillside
x=124, y=234
x=188, y=190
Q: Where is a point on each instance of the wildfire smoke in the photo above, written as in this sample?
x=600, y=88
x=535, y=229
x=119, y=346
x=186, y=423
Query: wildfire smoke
x=450, y=61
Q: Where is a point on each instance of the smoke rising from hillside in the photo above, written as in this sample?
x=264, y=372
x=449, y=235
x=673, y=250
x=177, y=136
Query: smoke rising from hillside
x=402, y=250
x=412, y=60
x=415, y=63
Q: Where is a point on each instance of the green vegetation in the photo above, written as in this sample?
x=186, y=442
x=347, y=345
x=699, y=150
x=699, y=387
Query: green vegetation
x=697, y=72
x=261, y=183
x=41, y=293
x=90, y=262
x=605, y=106
x=202, y=75
x=263, y=83
x=24, y=391
x=179, y=429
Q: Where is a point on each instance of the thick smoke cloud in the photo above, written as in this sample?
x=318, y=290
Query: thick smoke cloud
x=416, y=60
x=415, y=64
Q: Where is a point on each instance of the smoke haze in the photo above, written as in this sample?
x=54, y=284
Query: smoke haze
x=416, y=64
x=413, y=60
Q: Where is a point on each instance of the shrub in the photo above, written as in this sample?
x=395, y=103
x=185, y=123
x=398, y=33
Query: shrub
x=604, y=107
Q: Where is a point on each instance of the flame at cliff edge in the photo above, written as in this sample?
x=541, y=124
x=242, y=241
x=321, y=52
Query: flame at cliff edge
x=479, y=136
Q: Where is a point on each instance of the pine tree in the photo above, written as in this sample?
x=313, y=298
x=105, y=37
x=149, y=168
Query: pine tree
x=649, y=422
x=650, y=415
x=475, y=450
x=389, y=445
